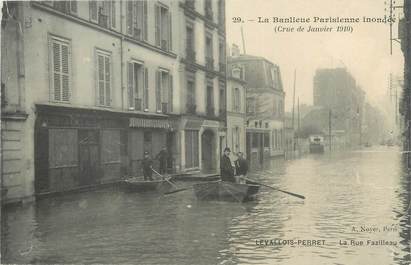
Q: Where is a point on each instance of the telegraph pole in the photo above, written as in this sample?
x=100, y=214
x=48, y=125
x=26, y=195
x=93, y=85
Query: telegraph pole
x=295, y=80
x=298, y=114
x=242, y=37
x=329, y=128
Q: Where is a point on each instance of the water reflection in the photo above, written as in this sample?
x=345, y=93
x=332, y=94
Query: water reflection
x=343, y=190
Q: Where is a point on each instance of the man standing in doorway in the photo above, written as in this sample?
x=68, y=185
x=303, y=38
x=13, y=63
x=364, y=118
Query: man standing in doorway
x=226, y=168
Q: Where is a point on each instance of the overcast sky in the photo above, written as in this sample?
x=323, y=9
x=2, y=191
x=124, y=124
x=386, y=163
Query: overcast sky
x=365, y=52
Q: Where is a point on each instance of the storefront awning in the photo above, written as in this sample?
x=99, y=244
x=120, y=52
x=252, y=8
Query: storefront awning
x=149, y=123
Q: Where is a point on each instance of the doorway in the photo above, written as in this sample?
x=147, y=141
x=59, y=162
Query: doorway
x=207, y=147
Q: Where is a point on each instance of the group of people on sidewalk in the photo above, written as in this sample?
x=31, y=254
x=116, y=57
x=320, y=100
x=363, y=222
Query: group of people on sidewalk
x=229, y=173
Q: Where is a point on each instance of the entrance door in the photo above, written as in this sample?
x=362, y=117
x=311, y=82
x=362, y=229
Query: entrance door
x=88, y=156
x=207, y=146
x=261, y=147
x=170, y=151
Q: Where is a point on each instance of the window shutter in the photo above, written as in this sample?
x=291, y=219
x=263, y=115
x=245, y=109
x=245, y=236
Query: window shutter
x=100, y=65
x=56, y=71
x=170, y=93
x=164, y=89
x=107, y=80
x=233, y=108
x=93, y=10
x=158, y=91
x=157, y=29
x=130, y=85
x=170, y=36
x=65, y=72
x=145, y=88
x=130, y=17
x=113, y=14
x=145, y=20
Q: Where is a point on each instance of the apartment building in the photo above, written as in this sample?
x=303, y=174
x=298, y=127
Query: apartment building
x=236, y=110
x=89, y=86
x=264, y=106
x=203, y=84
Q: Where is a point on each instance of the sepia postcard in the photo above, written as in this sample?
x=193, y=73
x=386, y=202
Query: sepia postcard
x=206, y=132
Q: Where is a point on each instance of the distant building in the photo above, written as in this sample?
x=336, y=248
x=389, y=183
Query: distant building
x=336, y=91
x=236, y=116
x=264, y=105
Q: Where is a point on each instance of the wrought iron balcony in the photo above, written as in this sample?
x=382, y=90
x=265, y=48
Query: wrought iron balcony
x=210, y=111
x=164, y=45
x=222, y=113
x=103, y=20
x=209, y=63
x=222, y=67
x=138, y=104
x=190, y=55
x=190, y=4
x=165, y=107
x=209, y=13
x=191, y=108
x=137, y=33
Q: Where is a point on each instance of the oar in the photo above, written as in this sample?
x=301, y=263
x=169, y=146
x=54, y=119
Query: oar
x=172, y=184
x=175, y=191
x=287, y=192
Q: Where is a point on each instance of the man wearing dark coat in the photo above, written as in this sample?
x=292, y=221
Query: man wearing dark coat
x=147, y=165
x=162, y=158
x=226, y=169
x=241, y=168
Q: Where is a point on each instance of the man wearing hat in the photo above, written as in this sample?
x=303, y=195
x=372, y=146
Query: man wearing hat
x=226, y=169
x=147, y=165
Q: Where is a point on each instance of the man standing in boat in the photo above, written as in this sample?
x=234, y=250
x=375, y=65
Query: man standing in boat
x=162, y=158
x=226, y=168
x=147, y=165
x=241, y=168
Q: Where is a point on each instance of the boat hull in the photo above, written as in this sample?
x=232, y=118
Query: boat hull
x=225, y=191
x=133, y=185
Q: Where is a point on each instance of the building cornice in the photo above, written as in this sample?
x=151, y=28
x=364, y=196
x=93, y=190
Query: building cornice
x=95, y=26
x=193, y=14
x=48, y=107
x=192, y=66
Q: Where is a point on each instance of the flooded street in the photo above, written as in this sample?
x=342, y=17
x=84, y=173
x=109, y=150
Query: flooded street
x=354, y=195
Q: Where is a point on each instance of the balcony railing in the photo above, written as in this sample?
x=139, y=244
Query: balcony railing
x=165, y=108
x=209, y=13
x=190, y=4
x=191, y=108
x=164, y=45
x=209, y=63
x=222, y=67
x=210, y=111
x=222, y=113
x=137, y=33
x=138, y=104
x=103, y=20
x=190, y=55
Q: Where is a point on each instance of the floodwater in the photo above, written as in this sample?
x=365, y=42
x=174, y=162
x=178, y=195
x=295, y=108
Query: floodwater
x=355, y=195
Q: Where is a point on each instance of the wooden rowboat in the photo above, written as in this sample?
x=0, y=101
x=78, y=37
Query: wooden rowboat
x=227, y=191
x=137, y=185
